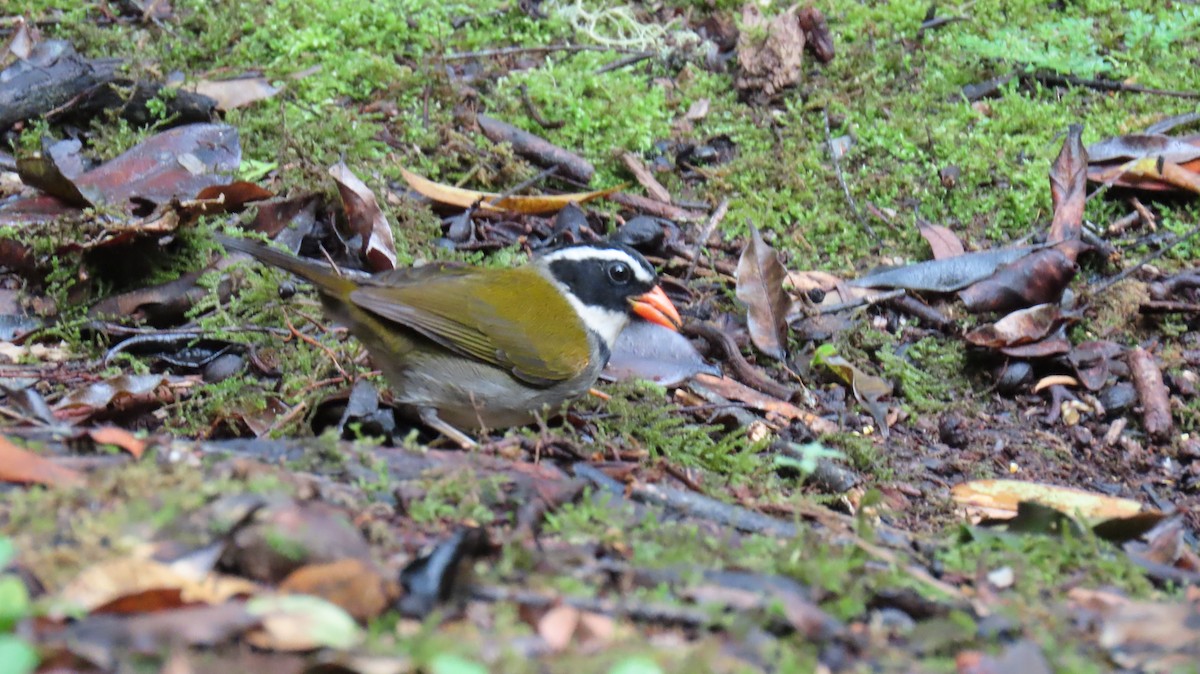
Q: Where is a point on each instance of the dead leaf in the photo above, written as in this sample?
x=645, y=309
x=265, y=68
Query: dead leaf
x=352, y=584
x=25, y=467
x=100, y=638
x=817, y=36
x=651, y=352
x=867, y=388
x=285, y=535
x=1149, y=174
x=776, y=409
x=366, y=219
x=1152, y=636
x=942, y=242
x=1037, y=278
x=760, y=277
x=1068, y=187
x=1020, y=327
x=101, y=394
x=236, y=93
x=1141, y=146
x=489, y=201
x=999, y=499
x=298, y=622
x=110, y=580
x=557, y=627
x=113, y=435
x=947, y=275
x=770, y=53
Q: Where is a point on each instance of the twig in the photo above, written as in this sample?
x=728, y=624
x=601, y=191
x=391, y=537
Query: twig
x=624, y=62
x=709, y=227
x=1104, y=285
x=510, y=51
x=860, y=301
x=837, y=167
x=312, y=342
x=637, y=611
x=537, y=114
x=746, y=373
x=1105, y=85
x=706, y=508
x=1168, y=307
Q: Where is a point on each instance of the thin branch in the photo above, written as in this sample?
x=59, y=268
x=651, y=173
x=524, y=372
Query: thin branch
x=837, y=167
x=545, y=49
x=713, y=221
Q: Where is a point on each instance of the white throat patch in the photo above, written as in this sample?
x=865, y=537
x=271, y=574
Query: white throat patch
x=606, y=323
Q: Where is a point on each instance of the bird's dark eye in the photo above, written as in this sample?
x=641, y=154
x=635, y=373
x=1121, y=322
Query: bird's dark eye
x=620, y=273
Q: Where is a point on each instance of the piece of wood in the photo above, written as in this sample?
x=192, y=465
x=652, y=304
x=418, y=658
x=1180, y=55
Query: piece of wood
x=1156, y=405
x=645, y=178
x=53, y=74
x=537, y=149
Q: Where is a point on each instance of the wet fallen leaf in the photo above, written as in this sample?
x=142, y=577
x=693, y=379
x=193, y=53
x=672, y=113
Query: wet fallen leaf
x=1068, y=187
x=100, y=638
x=947, y=275
x=760, y=277
x=113, y=579
x=236, y=93
x=1037, y=278
x=654, y=353
x=352, y=584
x=488, y=201
x=942, y=242
x=1094, y=360
x=298, y=622
x=999, y=499
x=1141, y=146
x=24, y=467
x=103, y=393
x=366, y=219
x=113, y=435
x=1019, y=327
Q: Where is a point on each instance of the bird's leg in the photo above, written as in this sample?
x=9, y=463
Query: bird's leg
x=430, y=418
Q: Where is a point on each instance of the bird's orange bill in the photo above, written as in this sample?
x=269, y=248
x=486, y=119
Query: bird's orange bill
x=656, y=307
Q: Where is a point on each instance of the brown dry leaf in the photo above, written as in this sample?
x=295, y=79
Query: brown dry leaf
x=942, y=242
x=1068, y=187
x=366, y=219
x=772, y=63
x=1020, y=327
x=353, y=584
x=1152, y=636
x=113, y=435
x=760, y=277
x=111, y=580
x=817, y=35
x=776, y=409
x=1037, y=278
x=102, y=639
x=25, y=467
x=99, y=395
x=490, y=201
x=236, y=93
x=999, y=499
x=557, y=626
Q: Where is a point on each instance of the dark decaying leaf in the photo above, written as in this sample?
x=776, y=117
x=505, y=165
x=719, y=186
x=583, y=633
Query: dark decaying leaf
x=648, y=351
x=1140, y=146
x=1054, y=345
x=54, y=169
x=944, y=276
x=1020, y=327
x=100, y=638
x=1093, y=361
x=943, y=243
x=1068, y=187
x=1037, y=278
x=175, y=164
x=285, y=535
x=366, y=219
x=236, y=93
x=436, y=578
x=760, y=277
x=817, y=35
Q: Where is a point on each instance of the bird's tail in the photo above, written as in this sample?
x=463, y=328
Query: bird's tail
x=322, y=276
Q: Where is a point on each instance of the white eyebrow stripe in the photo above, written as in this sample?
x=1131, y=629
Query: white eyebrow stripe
x=584, y=253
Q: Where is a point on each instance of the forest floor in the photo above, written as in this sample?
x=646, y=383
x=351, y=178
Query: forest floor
x=202, y=474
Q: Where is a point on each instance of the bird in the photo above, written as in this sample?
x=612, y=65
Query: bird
x=471, y=348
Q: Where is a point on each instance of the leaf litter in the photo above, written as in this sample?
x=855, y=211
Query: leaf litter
x=352, y=537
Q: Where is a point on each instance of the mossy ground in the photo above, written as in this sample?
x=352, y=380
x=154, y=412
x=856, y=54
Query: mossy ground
x=896, y=92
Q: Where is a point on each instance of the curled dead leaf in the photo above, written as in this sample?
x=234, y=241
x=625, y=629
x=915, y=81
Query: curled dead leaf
x=489, y=201
x=760, y=277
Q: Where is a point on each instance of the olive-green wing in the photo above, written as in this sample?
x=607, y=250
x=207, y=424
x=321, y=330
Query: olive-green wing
x=514, y=319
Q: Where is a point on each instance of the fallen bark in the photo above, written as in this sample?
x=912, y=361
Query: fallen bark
x=537, y=149
x=53, y=74
x=1156, y=406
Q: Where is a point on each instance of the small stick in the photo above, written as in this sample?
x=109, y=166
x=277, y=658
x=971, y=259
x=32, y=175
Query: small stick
x=837, y=167
x=537, y=114
x=624, y=62
x=546, y=49
x=1106, y=85
x=1146, y=260
x=709, y=227
x=745, y=372
x=860, y=301
x=312, y=342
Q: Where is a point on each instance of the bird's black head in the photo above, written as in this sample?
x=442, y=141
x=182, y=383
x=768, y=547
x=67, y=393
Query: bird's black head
x=607, y=283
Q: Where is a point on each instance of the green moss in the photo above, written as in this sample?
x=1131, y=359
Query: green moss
x=928, y=373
